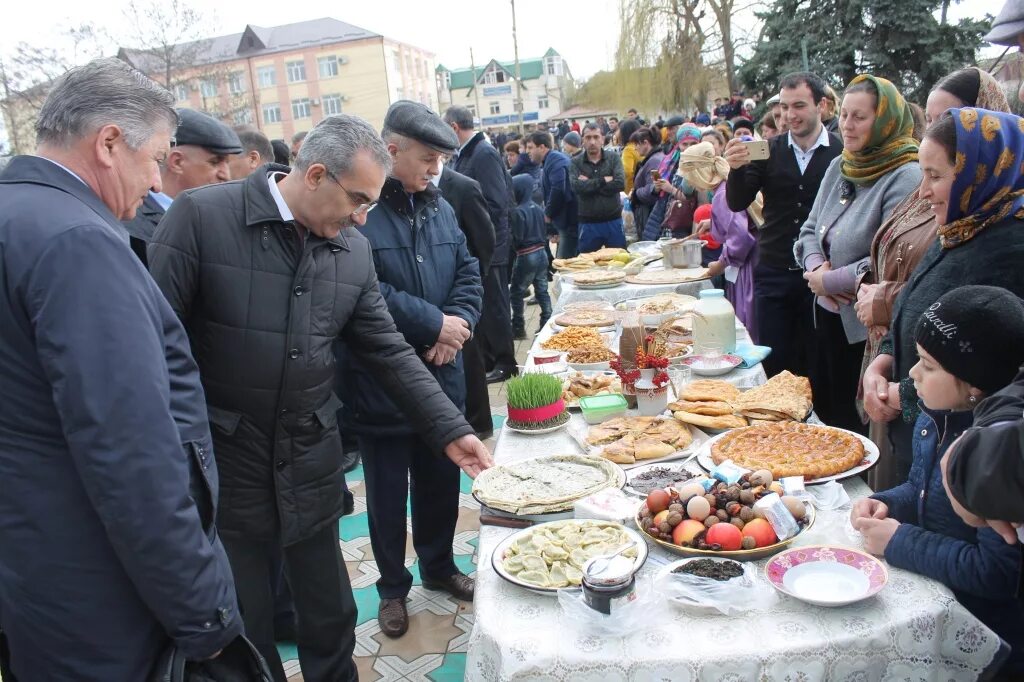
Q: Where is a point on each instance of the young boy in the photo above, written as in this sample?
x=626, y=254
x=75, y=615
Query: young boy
x=970, y=344
x=529, y=239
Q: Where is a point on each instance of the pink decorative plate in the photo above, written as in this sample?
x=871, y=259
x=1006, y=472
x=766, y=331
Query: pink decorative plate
x=826, y=575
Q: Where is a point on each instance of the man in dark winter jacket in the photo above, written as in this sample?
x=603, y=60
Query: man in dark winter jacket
x=560, y=206
x=108, y=549
x=432, y=288
x=467, y=200
x=266, y=274
x=597, y=179
x=530, y=240
x=200, y=155
x=479, y=160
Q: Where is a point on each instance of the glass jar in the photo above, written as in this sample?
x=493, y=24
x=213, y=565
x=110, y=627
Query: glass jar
x=714, y=322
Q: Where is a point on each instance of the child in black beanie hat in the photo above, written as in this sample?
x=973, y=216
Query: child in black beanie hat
x=970, y=343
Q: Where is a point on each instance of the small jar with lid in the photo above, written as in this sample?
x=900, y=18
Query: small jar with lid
x=608, y=584
x=714, y=321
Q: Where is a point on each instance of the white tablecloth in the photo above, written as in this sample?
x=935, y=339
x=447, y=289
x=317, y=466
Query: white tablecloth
x=914, y=629
x=567, y=293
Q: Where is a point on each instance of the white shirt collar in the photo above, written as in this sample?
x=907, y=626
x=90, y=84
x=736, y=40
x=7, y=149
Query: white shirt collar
x=162, y=199
x=822, y=141
x=282, y=207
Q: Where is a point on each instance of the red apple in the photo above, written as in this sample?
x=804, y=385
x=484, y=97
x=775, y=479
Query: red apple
x=761, y=531
x=658, y=500
x=724, y=534
x=684, y=533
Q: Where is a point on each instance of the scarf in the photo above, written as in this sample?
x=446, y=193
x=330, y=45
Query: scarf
x=988, y=184
x=671, y=161
x=990, y=95
x=701, y=168
x=891, y=143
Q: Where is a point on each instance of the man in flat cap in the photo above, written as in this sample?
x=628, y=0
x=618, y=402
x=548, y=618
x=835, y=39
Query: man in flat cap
x=1008, y=30
x=200, y=153
x=263, y=297
x=433, y=290
x=669, y=133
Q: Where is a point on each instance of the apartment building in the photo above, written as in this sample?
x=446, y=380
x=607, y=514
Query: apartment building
x=286, y=79
x=545, y=85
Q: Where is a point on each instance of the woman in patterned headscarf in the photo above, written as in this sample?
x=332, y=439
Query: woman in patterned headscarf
x=971, y=159
x=876, y=171
x=898, y=247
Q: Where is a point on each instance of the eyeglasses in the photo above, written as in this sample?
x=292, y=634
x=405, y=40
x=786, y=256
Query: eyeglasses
x=361, y=208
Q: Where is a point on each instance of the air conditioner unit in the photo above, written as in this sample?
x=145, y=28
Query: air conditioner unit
x=345, y=98
x=315, y=102
x=343, y=60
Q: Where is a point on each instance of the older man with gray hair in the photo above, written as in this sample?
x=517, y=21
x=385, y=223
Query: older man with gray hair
x=266, y=274
x=108, y=551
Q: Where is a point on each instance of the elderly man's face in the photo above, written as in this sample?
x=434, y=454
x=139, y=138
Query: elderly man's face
x=414, y=164
x=334, y=202
x=241, y=165
x=128, y=174
x=198, y=167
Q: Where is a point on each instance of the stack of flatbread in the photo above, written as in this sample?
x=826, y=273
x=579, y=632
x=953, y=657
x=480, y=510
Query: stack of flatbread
x=627, y=440
x=544, y=484
x=715, y=404
x=708, y=403
x=785, y=397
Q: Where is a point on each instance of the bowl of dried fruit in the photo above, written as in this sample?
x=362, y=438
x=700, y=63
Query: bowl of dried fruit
x=709, y=518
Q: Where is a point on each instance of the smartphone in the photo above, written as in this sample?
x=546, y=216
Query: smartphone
x=655, y=174
x=758, y=149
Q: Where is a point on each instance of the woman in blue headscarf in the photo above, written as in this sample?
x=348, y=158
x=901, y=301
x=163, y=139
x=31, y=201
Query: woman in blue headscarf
x=971, y=164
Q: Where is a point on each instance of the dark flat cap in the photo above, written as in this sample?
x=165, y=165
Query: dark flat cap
x=202, y=130
x=416, y=121
x=675, y=121
x=1008, y=25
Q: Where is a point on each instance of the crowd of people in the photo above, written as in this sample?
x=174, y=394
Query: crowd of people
x=199, y=321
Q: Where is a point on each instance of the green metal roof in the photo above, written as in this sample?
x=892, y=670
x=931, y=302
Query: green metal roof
x=528, y=68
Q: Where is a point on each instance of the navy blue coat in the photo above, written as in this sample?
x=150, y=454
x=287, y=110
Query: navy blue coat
x=528, y=218
x=104, y=558
x=482, y=162
x=425, y=271
x=982, y=570
x=559, y=199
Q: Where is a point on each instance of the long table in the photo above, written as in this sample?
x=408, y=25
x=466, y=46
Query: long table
x=913, y=629
x=567, y=292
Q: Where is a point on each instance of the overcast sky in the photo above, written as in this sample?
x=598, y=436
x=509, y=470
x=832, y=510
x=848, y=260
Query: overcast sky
x=584, y=33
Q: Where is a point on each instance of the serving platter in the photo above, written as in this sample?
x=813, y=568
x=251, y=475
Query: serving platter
x=871, y=455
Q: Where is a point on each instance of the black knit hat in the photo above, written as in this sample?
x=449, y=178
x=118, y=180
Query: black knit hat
x=977, y=334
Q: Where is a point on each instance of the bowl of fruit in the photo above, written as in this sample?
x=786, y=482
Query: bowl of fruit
x=739, y=520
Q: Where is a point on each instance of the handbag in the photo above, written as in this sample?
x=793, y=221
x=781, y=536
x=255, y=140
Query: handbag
x=240, y=661
x=679, y=215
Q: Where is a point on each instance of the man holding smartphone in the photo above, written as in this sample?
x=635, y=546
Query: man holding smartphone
x=788, y=180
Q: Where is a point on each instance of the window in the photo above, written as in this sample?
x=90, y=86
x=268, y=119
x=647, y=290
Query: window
x=301, y=108
x=208, y=87
x=542, y=102
x=181, y=92
x=495, y=74
x=447, y=80
x=553, y=66
x=419, y=68
x=242, y=117
x=272, y=113
x=236, y=82
x=472, y=109
x=267, y=76
x=408, y=64
x=399, y=93
x=328, y=66
x=296, y=71
x=331, y=104
x=495, y=108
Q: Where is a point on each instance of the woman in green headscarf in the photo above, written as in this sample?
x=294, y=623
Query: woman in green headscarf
x=877, y=170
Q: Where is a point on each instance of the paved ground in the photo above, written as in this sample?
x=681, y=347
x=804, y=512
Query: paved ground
x=439, y=626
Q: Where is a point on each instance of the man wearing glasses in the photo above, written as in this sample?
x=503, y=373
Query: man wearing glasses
x=433, y=290
x=266, y=274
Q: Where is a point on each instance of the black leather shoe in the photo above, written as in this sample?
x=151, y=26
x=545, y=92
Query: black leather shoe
x=349, y=461
x=393, y=617
x=497, y=375
x=458, y=585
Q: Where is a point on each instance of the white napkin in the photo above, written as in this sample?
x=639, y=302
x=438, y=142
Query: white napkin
x=829, y=496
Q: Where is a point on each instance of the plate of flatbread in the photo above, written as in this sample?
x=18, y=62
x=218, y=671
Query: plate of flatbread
x=549, y=556
x=789, y=448
x=628, y=441
x=598, y=279
x=545, y=485
x=716, y=405
x=673, y=276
